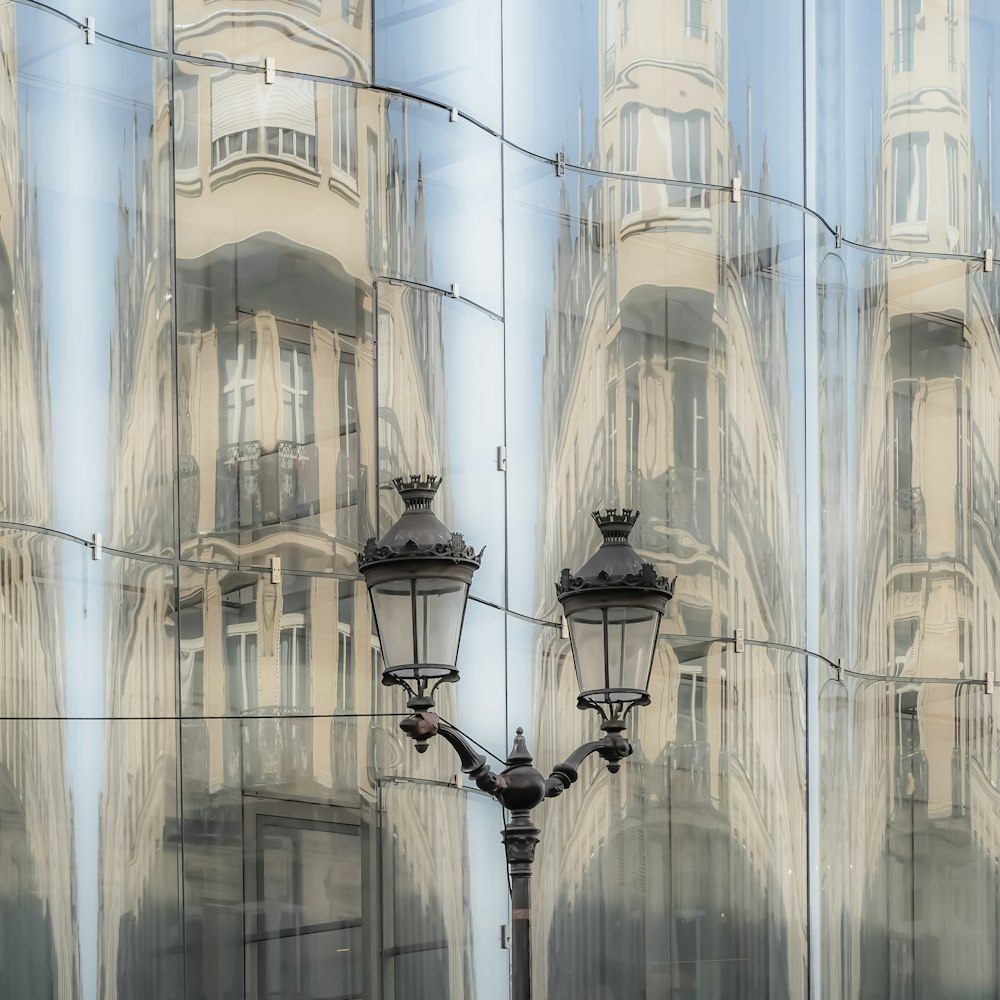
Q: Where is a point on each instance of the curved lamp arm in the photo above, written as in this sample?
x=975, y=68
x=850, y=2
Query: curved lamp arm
x=613, y=748
x=425, y=724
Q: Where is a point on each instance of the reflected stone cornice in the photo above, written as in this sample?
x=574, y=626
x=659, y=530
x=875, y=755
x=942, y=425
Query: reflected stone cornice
x=294, y=28
x=699, y=71
x=932, y=99
x=246, y=166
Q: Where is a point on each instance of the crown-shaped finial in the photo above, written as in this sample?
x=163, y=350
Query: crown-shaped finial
x=616, y=525
x=417, y=491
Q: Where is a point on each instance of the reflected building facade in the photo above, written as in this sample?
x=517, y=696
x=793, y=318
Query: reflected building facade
x=256, y=262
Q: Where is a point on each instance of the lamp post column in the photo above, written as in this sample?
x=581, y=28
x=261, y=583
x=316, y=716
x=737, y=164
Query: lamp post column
x=520, y=838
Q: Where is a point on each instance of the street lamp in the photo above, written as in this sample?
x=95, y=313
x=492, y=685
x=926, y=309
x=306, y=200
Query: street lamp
x=418, y=577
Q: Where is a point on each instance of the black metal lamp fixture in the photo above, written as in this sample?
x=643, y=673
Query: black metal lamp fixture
x=418, y=577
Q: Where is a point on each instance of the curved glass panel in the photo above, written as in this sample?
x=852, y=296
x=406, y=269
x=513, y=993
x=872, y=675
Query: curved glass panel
x=142, y=22
x=917, y=176
x=84, y=638
x=668, y=377
x=448, y=52
x=441, y=410
x=88, y=837
x=699, y=90
x=332, y=39
x=85, y=305
x=445, y=884
x=686, y=871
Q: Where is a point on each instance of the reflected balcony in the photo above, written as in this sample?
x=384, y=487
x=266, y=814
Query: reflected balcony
x=255, y=490
x=277, y=745
x=689, y=501
x=909, y=525
x=690, y=767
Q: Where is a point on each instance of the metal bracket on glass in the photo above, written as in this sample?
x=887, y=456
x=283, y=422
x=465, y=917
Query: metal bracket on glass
x=737, y=188
x=840, y=670
x=501, y=458
x=505, y=937
x=560, y=164
x=96, y=547
x=453, y=114
x=838, y=238
x=990, y=681
x=738, y=641
x=988, y=259
x=454, y=289
x=564, y=628
x=269, y=69
x=90, y=28
x=275, y=570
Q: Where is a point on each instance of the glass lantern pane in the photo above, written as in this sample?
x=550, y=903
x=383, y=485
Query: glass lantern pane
x=586, y=633
x=393, y=606
x=631, y=634
x=440, y=608
x=612, y=649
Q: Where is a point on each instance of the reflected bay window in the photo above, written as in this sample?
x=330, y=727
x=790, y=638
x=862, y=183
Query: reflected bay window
x=250, y=118
x=909, y=184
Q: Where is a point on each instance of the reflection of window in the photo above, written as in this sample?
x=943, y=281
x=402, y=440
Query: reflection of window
x=905, y=13
x=952, y=21
x=691, y=709
x=185, y=122
x=951, y=160
x=349, y=459
x=630, y=157
x=625, y=20
x=296, y=393
x=695, y=25
x=345, y=651
x=238, y=374
x=907, y=724
x=250, y=118
x=241, y=666
x=305, y=872
x=689, y=152
x=345, y=131
x=373, y=219
x=909, y=182
x=294, y=661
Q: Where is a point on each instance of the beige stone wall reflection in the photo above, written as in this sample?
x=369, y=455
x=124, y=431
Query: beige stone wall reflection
x=668, y=389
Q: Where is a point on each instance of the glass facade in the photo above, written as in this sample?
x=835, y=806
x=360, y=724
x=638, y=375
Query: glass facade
x=729, y=263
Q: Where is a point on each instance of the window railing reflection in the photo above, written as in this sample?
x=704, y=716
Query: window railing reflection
x=910, y=524
x=277, y=746
x=255, y=490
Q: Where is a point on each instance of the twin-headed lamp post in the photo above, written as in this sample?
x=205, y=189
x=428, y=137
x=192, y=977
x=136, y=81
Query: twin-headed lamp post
x=418, y=577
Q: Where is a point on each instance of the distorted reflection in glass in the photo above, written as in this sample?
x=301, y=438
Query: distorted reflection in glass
x=433, y=874
x=704, y=90
x=438, y=414
x=668, y=380
x=332, y=40
x=684, y=874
